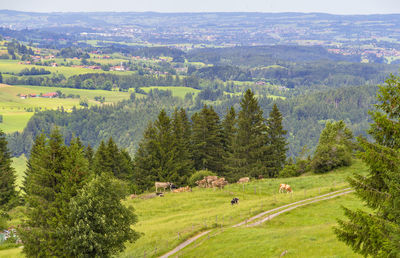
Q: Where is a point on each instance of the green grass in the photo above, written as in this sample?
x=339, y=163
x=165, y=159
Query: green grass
x=14, y=109
x=13, y=66
x=303, y=232
x=19, y=164
x=176, y=90
x=160, y=219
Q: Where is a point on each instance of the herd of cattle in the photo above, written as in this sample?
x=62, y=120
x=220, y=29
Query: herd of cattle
x=213, y=182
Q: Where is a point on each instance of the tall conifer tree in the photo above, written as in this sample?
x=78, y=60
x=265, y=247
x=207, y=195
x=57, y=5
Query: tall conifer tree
x=8, y=194
x=250, y=146
x=181, y=129
x=229, y=127
x=54, y=174
x=207, y=140
x=276, y=153
x=377, y=232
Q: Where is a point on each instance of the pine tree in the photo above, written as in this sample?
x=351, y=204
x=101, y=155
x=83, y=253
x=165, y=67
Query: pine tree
x=110, y=159
x=276, y=153
x=377, y=233
x=8, y=194
x=145, y=159
x=250, y=145
x=229, y=127
x=207, y=141
x=181, y=129
x=54, y=174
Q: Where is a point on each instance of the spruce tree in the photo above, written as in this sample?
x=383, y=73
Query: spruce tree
x=276, y=153
x=54, y=174
x=8, y=194
x=377, y=232
x=145, y=159
x=229, y=130
x=250, y=145
x=207, y=139
x=110, y=159
x=181, y=129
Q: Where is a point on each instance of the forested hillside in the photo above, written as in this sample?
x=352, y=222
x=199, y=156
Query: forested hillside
x=304, y=117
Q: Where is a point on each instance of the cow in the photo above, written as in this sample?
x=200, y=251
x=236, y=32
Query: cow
x=201, y=183
x=210, y=179
x=285, y=187
x=260, y=177
x=243, y=180
x=162, y=185
x=220, y=183
x=235, y=201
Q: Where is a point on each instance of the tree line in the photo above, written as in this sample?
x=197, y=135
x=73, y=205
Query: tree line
x=242, y=144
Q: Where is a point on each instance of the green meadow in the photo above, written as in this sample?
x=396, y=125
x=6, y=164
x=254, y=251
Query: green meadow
x=176, y=90
x=14, y=66
x=15, y=110
x=167, y=221
x=302, y=232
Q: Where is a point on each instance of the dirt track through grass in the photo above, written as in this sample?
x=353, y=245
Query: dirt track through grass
x=270, y=216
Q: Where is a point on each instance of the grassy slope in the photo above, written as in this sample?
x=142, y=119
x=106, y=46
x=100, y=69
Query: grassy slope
x=19, y=164
x=176, y=91
x=303, y=232
x=160, y=219
x=13, y=66
x=13, y=108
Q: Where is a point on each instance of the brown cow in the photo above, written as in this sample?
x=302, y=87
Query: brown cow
x=243, y=180
x=162, y=185
x=210, y=179
x=220, y=183
x=285, y=187
x=201, y=183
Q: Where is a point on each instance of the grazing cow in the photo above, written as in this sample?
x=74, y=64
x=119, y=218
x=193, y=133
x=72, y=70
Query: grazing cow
x=260, y=177
x=201, y=183
x=210, y=179
x=235, y=201
x=220, y=183
x=162, y=185
x=285, y=187
x=243, y=180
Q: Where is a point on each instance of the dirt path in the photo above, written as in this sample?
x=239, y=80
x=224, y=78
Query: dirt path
x=184, y=244
x=291, y=206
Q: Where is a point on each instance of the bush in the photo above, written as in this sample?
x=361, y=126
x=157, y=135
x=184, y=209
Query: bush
x=330, y=157
x=290, y=170
x=199, y=175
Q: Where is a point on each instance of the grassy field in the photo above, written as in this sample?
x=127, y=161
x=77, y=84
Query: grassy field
x=19, y=164
x=303, y=232
x=14, y=109
x=161, y=219
x=168, y=221
x=176, y=91
x=13, y=66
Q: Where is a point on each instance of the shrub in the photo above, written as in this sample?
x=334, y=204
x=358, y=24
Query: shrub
x=199, y=175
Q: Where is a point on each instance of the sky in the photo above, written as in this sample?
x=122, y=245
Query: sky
x=325, y=6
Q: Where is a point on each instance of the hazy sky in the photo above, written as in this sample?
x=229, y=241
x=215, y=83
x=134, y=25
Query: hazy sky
x=326, y=6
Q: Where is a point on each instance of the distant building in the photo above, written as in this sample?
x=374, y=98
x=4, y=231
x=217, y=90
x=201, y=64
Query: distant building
x=50, y=95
